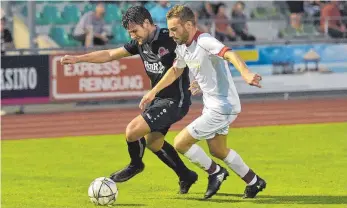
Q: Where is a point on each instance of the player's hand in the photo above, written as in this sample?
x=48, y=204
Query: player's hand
x=194, y=88
x=146, y=99
x=67, y=59
x=252, y=79
x=104, y=38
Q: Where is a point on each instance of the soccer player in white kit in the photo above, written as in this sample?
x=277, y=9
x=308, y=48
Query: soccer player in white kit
x=207, y=59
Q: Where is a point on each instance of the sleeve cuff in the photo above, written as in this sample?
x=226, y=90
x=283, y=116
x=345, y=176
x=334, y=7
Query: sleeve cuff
x=223, y=51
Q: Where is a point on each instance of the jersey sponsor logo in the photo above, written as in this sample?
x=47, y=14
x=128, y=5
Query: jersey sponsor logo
x=193, y=64
x=156, y=68
x=162, y=51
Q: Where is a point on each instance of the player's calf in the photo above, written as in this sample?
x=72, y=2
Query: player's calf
x=135, y=131
x=185, y=144
x=217, y=174
x=136, y=151
x=169, y=156
x=254, y=183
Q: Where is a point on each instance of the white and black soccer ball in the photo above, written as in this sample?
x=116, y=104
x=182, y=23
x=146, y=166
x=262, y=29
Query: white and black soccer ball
x=103, y=191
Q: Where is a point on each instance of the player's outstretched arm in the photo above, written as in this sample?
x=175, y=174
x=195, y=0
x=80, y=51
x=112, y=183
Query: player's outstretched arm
x=170, y=76
x=97, y=56
x=217, y=48
x=248, y=76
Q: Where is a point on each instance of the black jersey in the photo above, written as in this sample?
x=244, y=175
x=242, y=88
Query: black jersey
x=158, y=57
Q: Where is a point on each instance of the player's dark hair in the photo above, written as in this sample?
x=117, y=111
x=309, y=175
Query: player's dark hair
x=136, y=15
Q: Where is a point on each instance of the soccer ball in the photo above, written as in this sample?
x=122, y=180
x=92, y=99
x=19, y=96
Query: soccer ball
x=103, y=191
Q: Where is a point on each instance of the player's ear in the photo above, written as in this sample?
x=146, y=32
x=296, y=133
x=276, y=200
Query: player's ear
x=146, y=23
x=188, y=24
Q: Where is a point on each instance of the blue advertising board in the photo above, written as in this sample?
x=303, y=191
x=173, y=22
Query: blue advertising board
x=287, y=68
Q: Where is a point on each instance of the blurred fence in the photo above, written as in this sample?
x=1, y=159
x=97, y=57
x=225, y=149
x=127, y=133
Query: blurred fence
x=273, y=29
x=298, y=61
x=285, y=68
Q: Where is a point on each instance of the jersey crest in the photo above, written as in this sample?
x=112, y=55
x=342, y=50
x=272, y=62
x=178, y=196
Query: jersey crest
x=162, y=51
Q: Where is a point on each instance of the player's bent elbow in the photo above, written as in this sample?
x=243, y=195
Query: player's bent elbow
x=177, y=72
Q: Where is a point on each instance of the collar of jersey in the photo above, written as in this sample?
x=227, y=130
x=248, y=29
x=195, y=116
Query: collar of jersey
x=195, y=38
x=156, y=34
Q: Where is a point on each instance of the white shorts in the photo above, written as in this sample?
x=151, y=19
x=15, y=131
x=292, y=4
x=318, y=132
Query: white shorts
x=209, y=124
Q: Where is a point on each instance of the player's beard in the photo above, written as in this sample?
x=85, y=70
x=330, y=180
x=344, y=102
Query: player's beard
x=184, y=38
x=144, y=39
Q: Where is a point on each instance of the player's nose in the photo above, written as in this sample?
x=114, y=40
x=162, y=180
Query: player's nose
x=132, y=36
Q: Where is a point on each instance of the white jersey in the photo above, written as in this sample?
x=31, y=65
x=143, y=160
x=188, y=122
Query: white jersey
x=204, y=59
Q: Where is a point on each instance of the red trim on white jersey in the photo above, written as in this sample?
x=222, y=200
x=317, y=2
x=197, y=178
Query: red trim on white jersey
x=194, y=38
x=223, y=51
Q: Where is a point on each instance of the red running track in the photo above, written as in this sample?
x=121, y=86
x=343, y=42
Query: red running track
x=114, y=121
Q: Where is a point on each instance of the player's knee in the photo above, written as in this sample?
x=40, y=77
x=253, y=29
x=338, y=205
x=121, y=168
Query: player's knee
x=151, y=146
x=131, y=133
x=136, y=129
x=182, y=146
x=221, y=153
x=183, y=142
x=179, y=145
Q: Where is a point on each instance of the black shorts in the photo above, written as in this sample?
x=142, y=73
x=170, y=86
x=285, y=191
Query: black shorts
x=162, y=113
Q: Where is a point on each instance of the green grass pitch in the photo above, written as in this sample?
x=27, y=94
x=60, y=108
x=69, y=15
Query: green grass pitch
x=304, y=165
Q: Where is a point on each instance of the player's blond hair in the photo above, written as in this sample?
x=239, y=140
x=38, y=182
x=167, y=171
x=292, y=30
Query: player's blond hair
x=182, y=12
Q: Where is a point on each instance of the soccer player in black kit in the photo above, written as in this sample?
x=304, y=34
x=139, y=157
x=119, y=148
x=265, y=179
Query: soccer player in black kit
x=157, y=51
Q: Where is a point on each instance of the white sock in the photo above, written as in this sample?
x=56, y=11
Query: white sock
x=253, y=181
x=198, y=156
x=235, y=162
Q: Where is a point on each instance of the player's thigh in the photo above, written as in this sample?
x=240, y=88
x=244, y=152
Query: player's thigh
x=137, y=129
x=162, y=113
x=183, y=141
x=155, y=141
x=209, y=124
x=218, y=146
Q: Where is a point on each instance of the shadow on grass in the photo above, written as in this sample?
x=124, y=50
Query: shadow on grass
x=275, y=199
x=128, y=205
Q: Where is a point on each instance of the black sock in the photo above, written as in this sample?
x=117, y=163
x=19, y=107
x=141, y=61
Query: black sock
x=136, y=151
x=169, y=156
